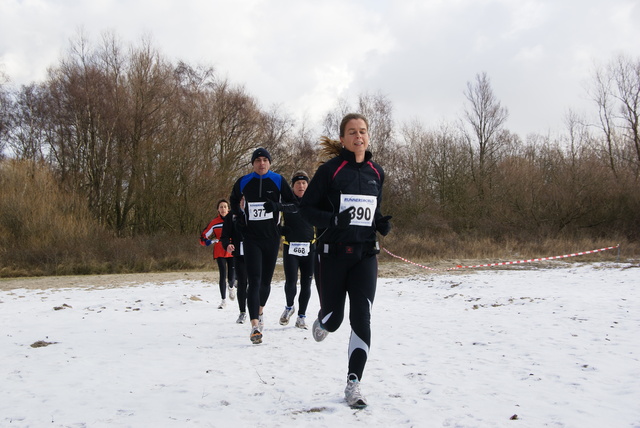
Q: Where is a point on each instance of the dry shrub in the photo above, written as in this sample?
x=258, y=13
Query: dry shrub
x=35, y=209
x=47, y=231
x=161, y=252
x=40, y=224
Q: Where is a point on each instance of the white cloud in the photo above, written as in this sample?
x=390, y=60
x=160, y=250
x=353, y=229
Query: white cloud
x=527, y=15
x=530, y=54
x=304, y=55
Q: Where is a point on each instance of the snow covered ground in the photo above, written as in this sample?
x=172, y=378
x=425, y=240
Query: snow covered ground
x=516, y=347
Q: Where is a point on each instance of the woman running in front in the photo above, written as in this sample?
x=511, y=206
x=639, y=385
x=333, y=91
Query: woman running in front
x=343, y=201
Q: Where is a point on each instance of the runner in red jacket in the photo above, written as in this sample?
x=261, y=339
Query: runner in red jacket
x=211, y=235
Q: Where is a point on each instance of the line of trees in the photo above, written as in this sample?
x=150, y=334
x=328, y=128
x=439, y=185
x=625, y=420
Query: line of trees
x=151, y=145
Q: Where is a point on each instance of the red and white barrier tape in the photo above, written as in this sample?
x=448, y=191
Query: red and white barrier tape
x=405, y=260
x=507, y=263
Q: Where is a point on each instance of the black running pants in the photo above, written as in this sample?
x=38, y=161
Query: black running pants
x=292, y=264
x=339, y=277
x=260, y=256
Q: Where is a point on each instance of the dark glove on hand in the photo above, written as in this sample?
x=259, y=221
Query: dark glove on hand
x=271, y=206
x=342, y=220
x=207, y=242
x=383, y=226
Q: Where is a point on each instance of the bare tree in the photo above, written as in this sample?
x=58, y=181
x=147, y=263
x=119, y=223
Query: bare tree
x=616, y=92
x=627, y=79
x=26, y=134
x=601, y=94
x=79, y=136
x=237, y=125
x=579, y=138
x=6, y=106
x=486, y=116
x=278, y=128
x=151, y=87
x=298, y=150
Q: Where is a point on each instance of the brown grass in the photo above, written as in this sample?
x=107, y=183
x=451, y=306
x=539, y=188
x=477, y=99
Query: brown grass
x=455, y=250
x=183, y=253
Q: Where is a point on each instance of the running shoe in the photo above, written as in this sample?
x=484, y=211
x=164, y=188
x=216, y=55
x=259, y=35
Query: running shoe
x=319, y=333
x=241, y=318
x=223, y=304
x=232, y=293
x=256, y=335
x=301, y=321
x=352, y=393
x=286, y=315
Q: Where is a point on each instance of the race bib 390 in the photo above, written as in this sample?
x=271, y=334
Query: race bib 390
x=365, y=207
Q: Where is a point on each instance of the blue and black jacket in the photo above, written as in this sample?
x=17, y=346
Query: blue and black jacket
x=256, y=190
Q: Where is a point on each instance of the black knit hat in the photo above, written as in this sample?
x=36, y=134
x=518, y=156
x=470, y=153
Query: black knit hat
x=260, y=152
x=299, y=175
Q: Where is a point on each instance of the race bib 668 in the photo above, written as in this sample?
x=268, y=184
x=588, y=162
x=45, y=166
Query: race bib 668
x=300, y=249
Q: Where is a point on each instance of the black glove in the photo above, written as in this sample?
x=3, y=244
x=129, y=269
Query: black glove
x=383, y=226
x=342, y=220
x=271, y=206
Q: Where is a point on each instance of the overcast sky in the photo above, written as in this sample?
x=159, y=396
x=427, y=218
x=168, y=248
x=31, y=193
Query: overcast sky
x=304, y=55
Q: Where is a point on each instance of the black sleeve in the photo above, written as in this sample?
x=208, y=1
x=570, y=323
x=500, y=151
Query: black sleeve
x=227, y=229
x=378, y=213
x=234, y=199
x=288, y=200
x=311, y=205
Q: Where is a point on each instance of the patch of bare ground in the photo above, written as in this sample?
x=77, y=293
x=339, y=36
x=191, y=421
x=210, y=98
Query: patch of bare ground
x=103, y=281
x=387, y=269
